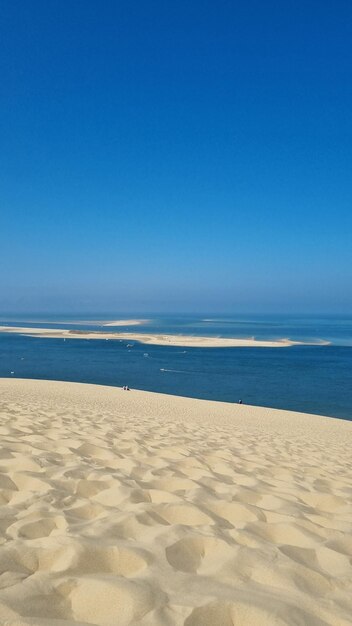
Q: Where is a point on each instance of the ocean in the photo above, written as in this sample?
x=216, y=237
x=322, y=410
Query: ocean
x=309, y=378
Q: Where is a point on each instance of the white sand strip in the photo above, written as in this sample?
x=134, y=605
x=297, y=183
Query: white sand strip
x=135, y=322
x=139, y=509
x=183, y=341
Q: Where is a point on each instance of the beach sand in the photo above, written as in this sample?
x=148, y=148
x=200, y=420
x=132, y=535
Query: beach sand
x=132, y=508
x=183, y=341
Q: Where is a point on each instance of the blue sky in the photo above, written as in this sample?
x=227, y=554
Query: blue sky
x=176, y=156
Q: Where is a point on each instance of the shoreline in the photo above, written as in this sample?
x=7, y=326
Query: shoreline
x=138, y=507
x=154, y=339
x=163, y=395
x=225, y=409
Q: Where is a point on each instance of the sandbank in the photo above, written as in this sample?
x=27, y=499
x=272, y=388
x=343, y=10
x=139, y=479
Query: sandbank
x=142, y=509
x=153, y=339
x=135, y=322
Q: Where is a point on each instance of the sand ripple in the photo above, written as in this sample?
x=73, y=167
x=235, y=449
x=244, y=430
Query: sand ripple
x=111, y=513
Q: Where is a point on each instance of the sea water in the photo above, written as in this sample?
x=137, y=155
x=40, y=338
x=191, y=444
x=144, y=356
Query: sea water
x=310, y=378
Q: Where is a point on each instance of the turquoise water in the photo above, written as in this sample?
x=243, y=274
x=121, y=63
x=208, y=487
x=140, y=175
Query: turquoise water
x=337, y=330
x=310, y=378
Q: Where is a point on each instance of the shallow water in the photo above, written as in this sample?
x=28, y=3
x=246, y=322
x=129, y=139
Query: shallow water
x=308, y=378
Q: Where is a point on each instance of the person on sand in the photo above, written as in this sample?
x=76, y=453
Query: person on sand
x=240, y=402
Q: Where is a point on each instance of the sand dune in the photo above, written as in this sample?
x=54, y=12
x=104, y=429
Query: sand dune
x=154, y=339
x=138, y=509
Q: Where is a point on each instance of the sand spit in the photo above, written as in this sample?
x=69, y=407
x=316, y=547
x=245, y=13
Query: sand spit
x=97, y=322
x=125, y=323
x=140, y=509
x=154, y=339
x=187, y=341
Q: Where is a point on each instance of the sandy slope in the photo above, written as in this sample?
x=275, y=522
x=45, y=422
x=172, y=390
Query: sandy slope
x=132, y=508
x=155, y=339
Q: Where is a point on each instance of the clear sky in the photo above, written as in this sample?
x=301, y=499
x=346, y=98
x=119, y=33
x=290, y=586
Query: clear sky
x=176, y=156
